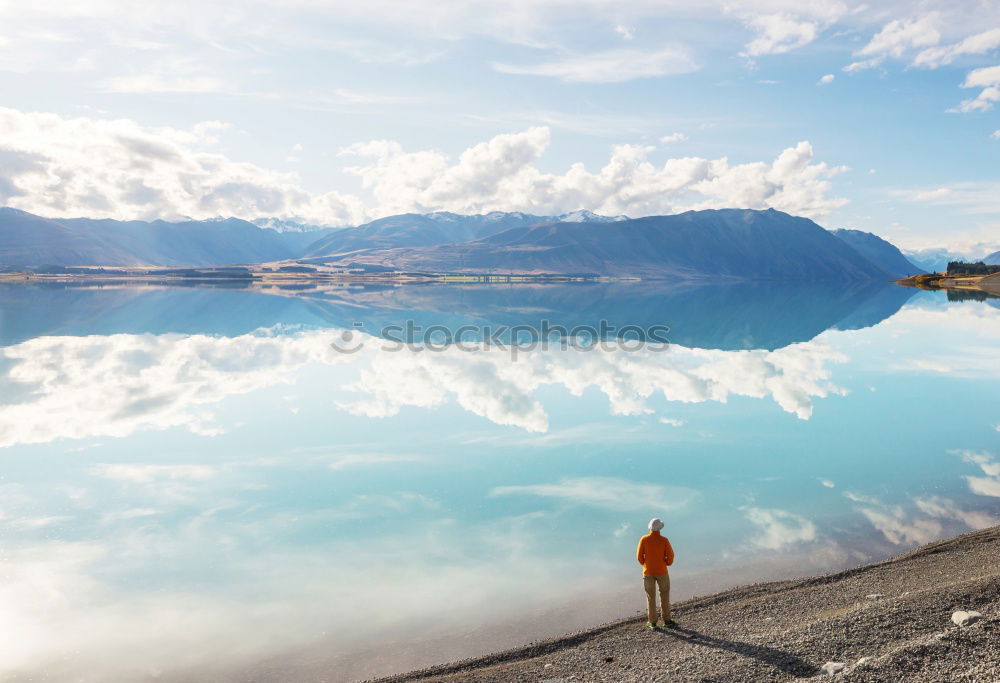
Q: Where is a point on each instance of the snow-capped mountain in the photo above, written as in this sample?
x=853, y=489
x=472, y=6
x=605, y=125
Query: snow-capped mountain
x=282, y=225
x=584, y=216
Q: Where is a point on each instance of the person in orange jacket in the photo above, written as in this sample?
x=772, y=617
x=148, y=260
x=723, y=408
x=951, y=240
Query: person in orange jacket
x=655, y=554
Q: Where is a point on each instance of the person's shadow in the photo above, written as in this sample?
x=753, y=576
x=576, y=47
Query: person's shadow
x=783, y=661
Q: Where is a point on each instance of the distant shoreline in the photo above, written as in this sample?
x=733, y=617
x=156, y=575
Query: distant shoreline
x=889, y=620
x=990, y=284
x=253, y=274
x=297, y=276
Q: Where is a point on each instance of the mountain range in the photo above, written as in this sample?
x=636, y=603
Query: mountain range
x=725, y=243
x=30, y=240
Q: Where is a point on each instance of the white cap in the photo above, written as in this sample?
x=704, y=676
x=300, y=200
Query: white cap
x=655, y=524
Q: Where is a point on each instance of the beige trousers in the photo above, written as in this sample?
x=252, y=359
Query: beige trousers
x=650, y=583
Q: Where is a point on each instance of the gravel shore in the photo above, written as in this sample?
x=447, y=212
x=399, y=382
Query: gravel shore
x=890, y=621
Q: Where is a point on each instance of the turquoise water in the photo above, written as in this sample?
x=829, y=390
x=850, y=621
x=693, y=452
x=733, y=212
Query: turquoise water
x=197, y=485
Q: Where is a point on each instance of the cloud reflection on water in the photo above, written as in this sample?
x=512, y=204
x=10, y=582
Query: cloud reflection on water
x=119, y=384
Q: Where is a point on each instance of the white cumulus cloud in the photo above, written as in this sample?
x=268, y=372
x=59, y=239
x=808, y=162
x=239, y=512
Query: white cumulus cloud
x=120, y=384
x=57, y=166
x=501, y=174
x=779, y=528
x=487, y=382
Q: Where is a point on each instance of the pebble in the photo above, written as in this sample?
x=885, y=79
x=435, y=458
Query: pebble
x=963, y=618
x=833, y=667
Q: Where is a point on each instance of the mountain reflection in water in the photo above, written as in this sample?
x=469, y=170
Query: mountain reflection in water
x=753, y=315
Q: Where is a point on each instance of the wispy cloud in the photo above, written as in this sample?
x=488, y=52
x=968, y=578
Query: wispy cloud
x=369, y=505
x=945, y=508
x=972, y=196
x=590, y=123
x=610, y=66
x=900, y=35
x=340, y=99
x=988, y=485
x=673, y=137
x=987, y=78
x=356, y=460
x=153, y=83
x=182, y=75
x=607, y=492
x=893, y=523
x=146, y=473
x=975, y=44
x=779, y=33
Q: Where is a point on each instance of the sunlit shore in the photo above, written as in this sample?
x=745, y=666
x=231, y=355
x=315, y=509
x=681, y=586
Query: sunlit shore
x=928, y=615
x=989, y=284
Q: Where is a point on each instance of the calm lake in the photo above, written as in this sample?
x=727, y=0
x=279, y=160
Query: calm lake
x=213, y=483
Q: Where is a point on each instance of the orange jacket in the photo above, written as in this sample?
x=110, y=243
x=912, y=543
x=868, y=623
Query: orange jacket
x=654, y=554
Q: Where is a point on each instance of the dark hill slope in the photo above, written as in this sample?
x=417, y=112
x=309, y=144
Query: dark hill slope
x=424, y=230
x=198, y=243
x=29, y=240
x=883, y=254
x=26, y=239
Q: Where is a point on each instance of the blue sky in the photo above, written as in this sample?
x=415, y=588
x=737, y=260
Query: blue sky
x=337, y=113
